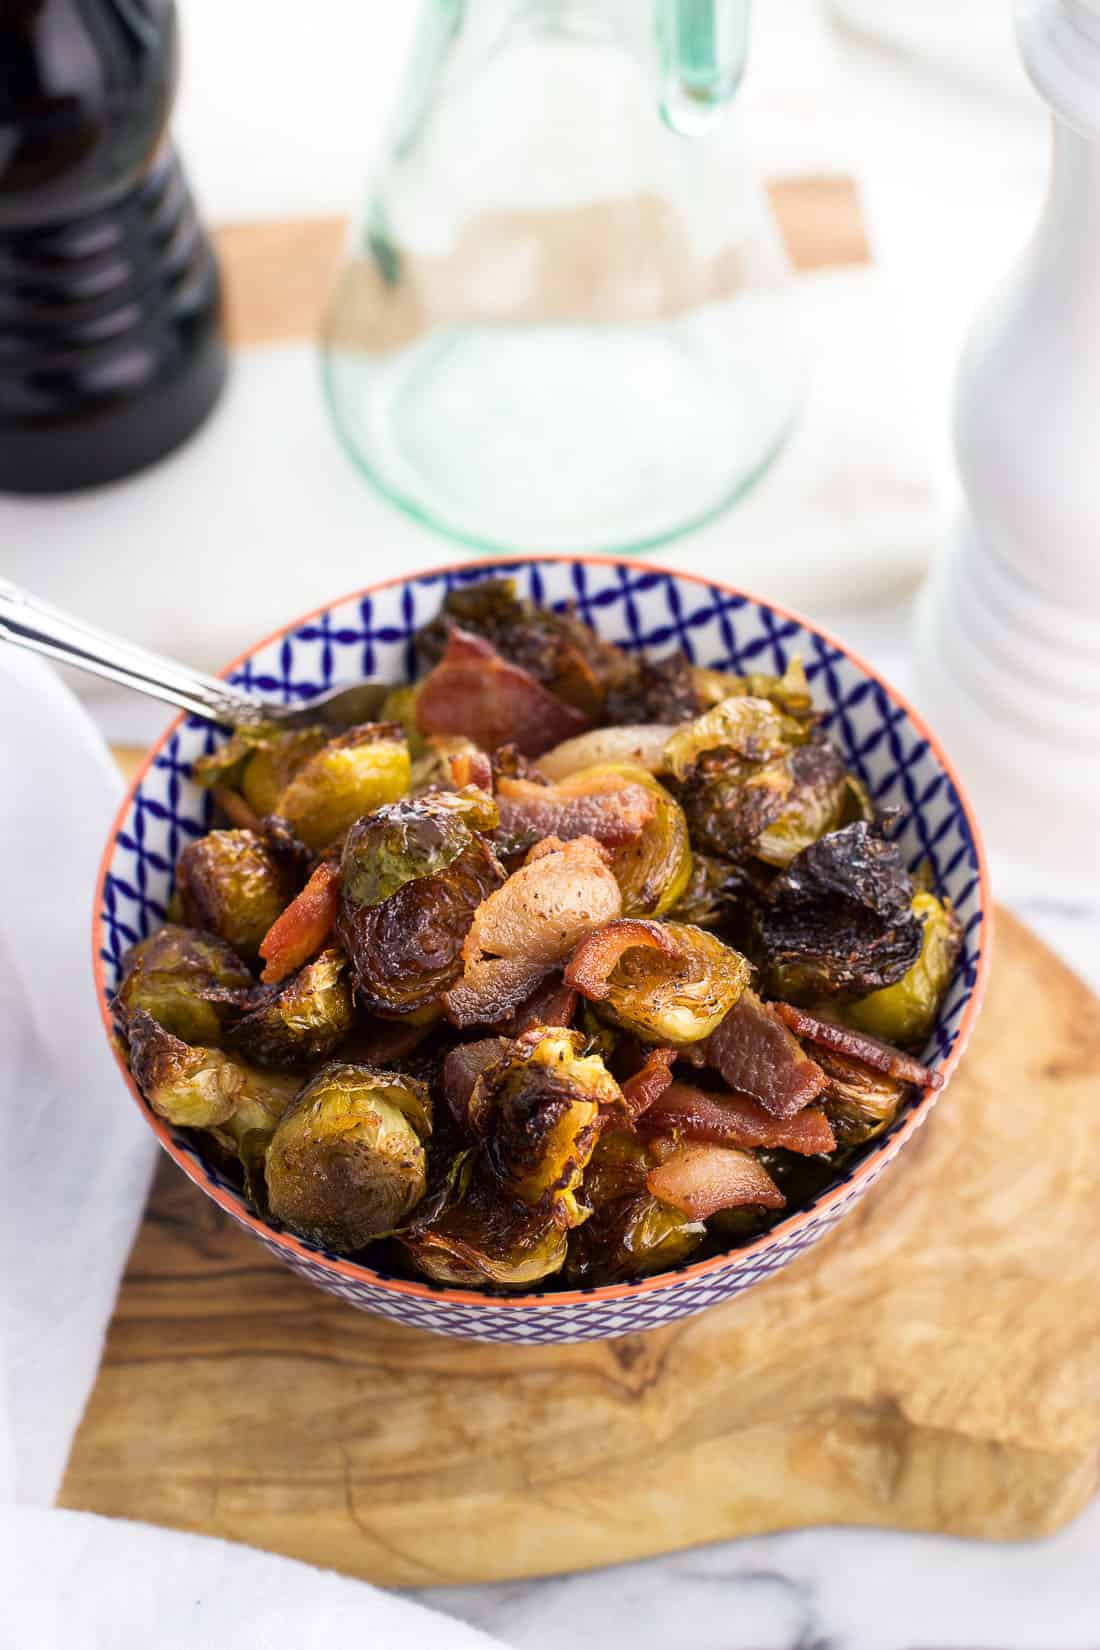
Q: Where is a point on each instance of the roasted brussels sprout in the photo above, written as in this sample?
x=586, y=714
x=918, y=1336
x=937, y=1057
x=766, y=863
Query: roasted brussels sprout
x=905, y=1012
x=666, y=982
x=653, y=870
x=753, y=730
x=706, y=893
x=399, y=706
x=839, y=919
x=304, y=1019
x=486, y=1238
x=451, y=765
x=259, y=762
x=630, y=1233
x=201, y=1088
x=790, y=692
x=816, y=803
x=347, y=1161
x=191, y=983
x=538, y=1111
x=657, y=690
x=407, y=950
x=357, y=771
x=230, y=884
x=416, y=837
x=858, y=1101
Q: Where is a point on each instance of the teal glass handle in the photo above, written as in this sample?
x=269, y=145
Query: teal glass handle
x=702, y=45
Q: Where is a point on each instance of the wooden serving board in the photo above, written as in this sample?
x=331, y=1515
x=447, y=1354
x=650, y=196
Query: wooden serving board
x=931, y=1365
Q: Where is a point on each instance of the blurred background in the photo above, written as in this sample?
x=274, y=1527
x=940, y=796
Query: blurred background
x=920, y=122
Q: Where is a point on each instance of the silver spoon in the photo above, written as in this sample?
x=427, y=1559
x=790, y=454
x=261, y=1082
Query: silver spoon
x=27, y=622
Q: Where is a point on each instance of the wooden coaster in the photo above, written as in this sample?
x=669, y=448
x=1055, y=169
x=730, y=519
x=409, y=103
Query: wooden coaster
x=929, y=1366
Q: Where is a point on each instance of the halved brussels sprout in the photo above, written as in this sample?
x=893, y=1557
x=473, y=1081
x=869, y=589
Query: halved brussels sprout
x=487, y=1238
x=789, y=692
x=201, y=1088
x=274, y=763
x=752, y=729
x=407, y=950
x=816, y=803
x=359, y=770
x=191, y=983
x=905, y=1012
x=538, y=1111
x=668, y=983
x=858, y=1101
x=416, y=837
x=631, y=1233
x=347, y=1161
x=230, y=884
x=306, y=1018
x=653, y=870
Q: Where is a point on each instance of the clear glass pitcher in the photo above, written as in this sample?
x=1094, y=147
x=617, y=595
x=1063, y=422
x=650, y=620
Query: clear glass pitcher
x=564, y=322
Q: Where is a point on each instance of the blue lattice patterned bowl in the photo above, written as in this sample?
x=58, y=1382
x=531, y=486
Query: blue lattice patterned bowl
x=370, y=634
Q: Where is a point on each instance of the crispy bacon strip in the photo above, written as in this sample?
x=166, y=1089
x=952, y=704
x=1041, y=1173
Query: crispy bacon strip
x=529, y=926
x=553, y=1003
x=474, y=692
x=702, y=1179
x=596, y=958
x=614, y=814
x=462, y=1068
x=735, y=1120
x=649, y=1082
x=303, y=928
x=755, y=1053
x=858, y=1045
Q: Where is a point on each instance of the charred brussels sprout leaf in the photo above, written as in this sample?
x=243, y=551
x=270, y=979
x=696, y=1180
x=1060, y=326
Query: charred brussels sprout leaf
x=630, y=1233
x=905, y=1012
x=229, y=883
x=733, y=768
x=347, y=1162
x=668, y=983
x=202, y=1088
x=191, y=983
x=304, y=1019
x=358, y=771
x=537, y=1109
x=486, y=1238
x=407, y=950
x=706, y=892
x=417, y=837
x=839, y=919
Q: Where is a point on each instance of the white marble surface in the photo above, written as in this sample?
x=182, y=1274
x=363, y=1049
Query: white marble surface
x=276, y=120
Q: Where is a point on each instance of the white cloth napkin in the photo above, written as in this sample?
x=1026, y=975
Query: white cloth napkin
x=74, y=1172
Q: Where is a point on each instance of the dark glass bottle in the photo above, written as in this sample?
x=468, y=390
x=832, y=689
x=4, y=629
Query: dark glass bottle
x=111, y=349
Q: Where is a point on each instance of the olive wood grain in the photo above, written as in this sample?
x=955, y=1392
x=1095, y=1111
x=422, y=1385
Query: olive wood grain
x=929, y=1366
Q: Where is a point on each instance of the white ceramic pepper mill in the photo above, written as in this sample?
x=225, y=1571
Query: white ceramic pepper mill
x=1008, y=643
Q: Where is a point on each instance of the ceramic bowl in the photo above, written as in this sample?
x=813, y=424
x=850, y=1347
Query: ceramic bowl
x=371, y=633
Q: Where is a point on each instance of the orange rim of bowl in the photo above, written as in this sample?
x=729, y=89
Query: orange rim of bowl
x=672, y=1280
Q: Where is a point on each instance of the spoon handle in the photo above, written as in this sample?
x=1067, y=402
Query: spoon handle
x=27, y=622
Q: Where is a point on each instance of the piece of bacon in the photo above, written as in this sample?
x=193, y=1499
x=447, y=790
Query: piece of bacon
x=755, y=1053
x=303, y=928
x=553, y=1003
x=645, y=1086
x=702, y=1179
x=614, y=812
x=529, y=926
x=735, y=1120
x=461, y=1069
x=474, y=692
x=596, y=958
x=859, y=1045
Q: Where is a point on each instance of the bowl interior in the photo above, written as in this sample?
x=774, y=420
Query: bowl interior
x=371, y=634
